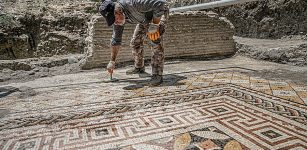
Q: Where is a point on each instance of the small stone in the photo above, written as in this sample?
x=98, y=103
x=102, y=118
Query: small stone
x=44, y=69
x=26, y=92
x=7, y=70
x=36, y=69
x=43, y=75
x=72, y=60
x=31, y=72
x=23, y=66
x=4, y=112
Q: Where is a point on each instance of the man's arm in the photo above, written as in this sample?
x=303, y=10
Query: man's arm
x=115, y=45
x=114, y=51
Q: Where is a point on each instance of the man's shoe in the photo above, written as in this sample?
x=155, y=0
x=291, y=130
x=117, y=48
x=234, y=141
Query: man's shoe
x=155, y=80
x=136, y=70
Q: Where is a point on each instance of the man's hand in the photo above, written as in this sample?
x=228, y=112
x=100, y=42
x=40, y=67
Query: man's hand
x=153, y=32
x=111, y=67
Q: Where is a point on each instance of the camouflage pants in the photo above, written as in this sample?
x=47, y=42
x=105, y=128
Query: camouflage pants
x=137, y=43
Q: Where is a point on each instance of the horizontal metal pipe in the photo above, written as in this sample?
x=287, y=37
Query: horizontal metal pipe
x=214, y=4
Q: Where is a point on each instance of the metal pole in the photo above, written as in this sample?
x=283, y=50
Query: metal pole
x=220, y=3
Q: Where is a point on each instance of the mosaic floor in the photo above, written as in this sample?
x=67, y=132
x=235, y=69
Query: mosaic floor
x=212, y=109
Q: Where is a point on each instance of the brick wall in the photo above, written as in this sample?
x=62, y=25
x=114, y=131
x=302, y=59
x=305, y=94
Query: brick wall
x=187, y=34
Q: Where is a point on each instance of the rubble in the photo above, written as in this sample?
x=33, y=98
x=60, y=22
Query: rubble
x=286, y=50
x=32, y=68
x=43, y=29
x=271, y=19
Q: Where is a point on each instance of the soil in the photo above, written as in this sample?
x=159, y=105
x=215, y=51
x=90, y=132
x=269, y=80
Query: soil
x=291, y=50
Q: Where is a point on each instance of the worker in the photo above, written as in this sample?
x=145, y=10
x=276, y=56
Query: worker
x=150, y=17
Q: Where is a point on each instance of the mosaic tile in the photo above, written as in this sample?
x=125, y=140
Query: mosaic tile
x=278, y=83
x=240, y=81
x=200, y=84
x=258, y=80
x=283, y=93
x=175, y=88
x=215, y=83
x=207, y=76
x=240, y=77
x=247, y=85
x=215, y=117
x=295, y=99
x=260, y=86
x=285, y=88
x=154, y=90
x=272, y=134
x=300, y=88
x=221, y=80
x=266, y=91
x=302, y=94
x=60, y=102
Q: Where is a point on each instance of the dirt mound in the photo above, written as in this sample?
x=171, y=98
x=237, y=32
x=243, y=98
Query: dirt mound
x=288, y=51
x=268, y=18
x=32, y=68
x=43, y=29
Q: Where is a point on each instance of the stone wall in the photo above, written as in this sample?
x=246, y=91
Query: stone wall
x=187, y=34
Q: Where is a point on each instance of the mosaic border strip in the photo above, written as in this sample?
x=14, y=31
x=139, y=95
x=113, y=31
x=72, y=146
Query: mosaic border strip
x=132, y=104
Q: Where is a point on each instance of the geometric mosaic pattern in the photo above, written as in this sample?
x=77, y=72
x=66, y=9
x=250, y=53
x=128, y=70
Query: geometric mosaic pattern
x=218, y=116
x=67, y=95
x=239, y=76
x=288, y=91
